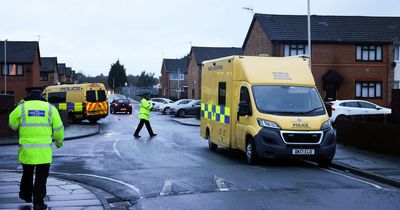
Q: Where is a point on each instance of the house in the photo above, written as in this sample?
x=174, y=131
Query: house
x=68, y=74
x=197, y=56
x=22, y=69
x=352, y=56
x=61, y=73
x=48, y=71
x=174, y=78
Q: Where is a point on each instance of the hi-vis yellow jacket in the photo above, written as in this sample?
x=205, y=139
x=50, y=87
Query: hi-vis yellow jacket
x=36, y=121
x=145, y=107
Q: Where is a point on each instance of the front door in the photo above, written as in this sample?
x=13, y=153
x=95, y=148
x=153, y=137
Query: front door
x=242, y=121
x=330, y=92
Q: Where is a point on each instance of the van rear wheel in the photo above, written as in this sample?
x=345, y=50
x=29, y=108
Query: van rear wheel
x=93, y=121
x=251, y=153
x=212, y=146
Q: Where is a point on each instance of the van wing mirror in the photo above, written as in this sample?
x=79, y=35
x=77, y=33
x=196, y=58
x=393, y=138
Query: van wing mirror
x=244, y=109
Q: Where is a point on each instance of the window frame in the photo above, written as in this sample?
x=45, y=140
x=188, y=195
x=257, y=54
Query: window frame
x=294, y=46
x=367, y=84
x=16, y=70
x=221, y=93
x=44, y=78
x=368, y=48
x=397, y=53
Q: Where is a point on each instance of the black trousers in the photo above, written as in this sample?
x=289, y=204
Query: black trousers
x=37, y=189
x=148, y=126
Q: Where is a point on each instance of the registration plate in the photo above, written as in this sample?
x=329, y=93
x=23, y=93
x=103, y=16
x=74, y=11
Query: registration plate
x=303, y=151
x=123, y=109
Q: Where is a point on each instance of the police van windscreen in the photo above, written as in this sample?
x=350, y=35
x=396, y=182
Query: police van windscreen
x=57, y=97
x=288, y=100
x=91, y=95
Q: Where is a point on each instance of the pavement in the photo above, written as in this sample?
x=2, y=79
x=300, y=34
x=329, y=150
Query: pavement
x=61, y=194
x=72, y=131
x=378, y=167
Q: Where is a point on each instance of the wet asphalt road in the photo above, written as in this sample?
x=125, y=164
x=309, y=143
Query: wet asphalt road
x=175, y=170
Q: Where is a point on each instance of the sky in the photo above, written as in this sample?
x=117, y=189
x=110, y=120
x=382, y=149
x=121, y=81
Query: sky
x=90, y=35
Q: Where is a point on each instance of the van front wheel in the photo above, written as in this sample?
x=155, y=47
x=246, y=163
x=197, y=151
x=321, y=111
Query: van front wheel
x=251, y=153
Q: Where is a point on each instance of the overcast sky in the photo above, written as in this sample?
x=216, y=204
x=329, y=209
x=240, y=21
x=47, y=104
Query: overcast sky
x=89, y=35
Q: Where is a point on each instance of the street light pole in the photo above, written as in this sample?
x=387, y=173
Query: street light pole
x=309, y=29
x=5, y=66
x=179, y=90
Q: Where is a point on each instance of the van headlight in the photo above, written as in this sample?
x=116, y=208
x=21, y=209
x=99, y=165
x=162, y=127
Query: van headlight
x=268, y=124
x=326, y=125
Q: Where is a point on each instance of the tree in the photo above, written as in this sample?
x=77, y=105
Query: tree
x=144, y=80
x=116, y=75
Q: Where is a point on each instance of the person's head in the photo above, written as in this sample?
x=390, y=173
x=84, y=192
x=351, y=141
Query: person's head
x=34, y=91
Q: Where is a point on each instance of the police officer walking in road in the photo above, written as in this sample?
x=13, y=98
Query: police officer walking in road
x=37, y=121
x=144, y=116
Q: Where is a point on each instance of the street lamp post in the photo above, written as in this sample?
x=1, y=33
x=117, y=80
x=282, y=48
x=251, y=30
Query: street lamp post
x=5, y=66
x=179, y=89
x=309, y=29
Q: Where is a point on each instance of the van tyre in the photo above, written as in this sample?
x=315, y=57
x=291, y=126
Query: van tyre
x=213, y=147
x=93, y=121
x=324, y=163
x=251, y=152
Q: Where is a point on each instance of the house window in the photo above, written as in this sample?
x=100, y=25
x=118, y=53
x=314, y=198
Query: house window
x=44, y=76
x=369, y=53
x=295, y=49
x=12, y=70
x=368, y=89
x=174, y=76
x=397, y=53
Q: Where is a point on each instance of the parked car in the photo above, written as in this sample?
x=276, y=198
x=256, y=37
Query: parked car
x=159, y=101
x=190, y=108
x=165, y=109
x=121, y=105
x=343, y=108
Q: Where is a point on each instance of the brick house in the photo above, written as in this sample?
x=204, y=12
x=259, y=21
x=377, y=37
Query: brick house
x=197, y=56
x=23, y=67
x=352, y=56
x=174, y=78
x=68, y=75
x=61, y=72
x=48, y=71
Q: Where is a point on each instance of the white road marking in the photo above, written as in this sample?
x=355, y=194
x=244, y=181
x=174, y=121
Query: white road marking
x=221, y=184
x=116, y=150
x=167, y=188
x=130, y=186
x=355, y=179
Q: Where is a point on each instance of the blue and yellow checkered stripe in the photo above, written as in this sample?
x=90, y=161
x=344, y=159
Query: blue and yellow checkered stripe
x=220, y=114
x=76, y=107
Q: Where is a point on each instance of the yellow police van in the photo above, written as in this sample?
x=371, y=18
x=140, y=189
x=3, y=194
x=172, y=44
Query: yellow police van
x=267, y=107
x=81, y=101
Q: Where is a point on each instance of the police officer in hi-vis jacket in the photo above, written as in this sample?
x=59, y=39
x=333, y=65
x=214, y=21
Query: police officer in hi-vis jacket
x=36, y=121
x=144, y=116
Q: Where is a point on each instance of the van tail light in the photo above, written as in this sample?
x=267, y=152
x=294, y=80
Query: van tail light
x=130, y=104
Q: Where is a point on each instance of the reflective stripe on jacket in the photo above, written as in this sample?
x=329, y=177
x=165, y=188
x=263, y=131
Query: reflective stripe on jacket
x=36, y=122
x=145, y=107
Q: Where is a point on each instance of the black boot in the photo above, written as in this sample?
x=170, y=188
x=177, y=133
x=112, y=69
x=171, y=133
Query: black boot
x=40, y=206
x=27, y=199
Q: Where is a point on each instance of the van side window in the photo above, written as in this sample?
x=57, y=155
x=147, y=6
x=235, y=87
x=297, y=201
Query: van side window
x=222, y=93
x=91, y=96
x=101, y=95
x=245, y=97
x=57, y=97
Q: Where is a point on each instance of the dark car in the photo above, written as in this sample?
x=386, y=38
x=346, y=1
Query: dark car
x=121, y=105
